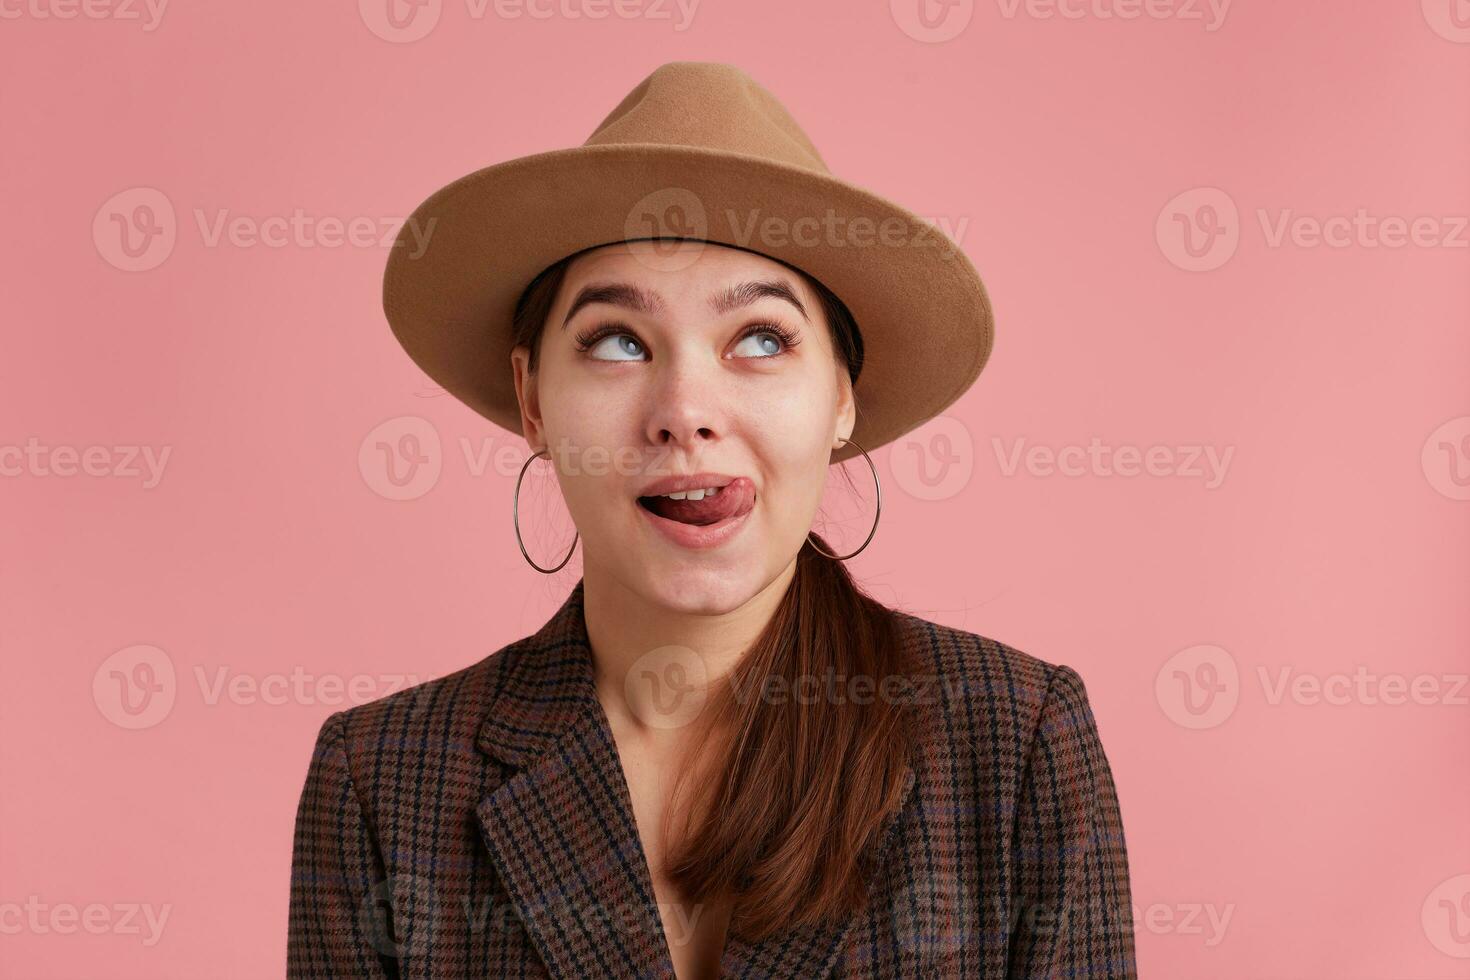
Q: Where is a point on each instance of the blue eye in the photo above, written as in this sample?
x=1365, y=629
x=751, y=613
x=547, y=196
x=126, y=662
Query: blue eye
x=617, y=347
x=610, y=342
x=770, y=340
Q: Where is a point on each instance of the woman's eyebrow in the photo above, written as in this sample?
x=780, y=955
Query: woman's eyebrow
x=615, y=294
x=748, y=292
x=646, y=302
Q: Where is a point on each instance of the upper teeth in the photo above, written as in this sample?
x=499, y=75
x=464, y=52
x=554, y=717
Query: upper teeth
x=692, y=494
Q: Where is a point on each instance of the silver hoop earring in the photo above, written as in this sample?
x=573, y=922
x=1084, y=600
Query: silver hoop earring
x=877, y=496
x=515, y=520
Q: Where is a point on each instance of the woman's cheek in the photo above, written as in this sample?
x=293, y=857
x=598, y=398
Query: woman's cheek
x=587, y=433
x=798, y=407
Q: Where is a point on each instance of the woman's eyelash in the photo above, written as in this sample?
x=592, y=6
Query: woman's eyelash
x=587, y=338
x=788, y=339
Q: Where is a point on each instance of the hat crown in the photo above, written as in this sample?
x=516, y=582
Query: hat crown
x=711, y=105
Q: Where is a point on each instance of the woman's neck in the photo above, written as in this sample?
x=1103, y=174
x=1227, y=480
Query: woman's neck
x=624, y=628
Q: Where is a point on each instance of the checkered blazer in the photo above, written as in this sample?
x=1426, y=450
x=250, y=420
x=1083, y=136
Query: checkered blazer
x=480, y=825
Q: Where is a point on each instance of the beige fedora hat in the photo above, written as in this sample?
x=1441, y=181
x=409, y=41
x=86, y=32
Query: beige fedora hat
x=696, y=152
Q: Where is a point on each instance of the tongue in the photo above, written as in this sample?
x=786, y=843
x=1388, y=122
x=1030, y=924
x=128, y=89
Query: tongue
x=731, y=501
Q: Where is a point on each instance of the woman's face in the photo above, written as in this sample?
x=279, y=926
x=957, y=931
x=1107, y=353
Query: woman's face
x=653, y=370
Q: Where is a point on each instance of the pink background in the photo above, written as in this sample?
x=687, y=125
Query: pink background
x=1270, y=835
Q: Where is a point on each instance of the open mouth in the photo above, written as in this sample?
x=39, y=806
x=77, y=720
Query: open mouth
x=705, y=506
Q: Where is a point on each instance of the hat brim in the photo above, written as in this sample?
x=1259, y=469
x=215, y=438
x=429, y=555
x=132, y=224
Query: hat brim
x=923, y=312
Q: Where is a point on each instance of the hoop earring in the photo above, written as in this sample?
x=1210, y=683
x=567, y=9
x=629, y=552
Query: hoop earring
x=515, y=520
x=877, y=495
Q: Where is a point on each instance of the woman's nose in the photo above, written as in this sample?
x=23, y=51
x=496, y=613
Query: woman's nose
x=686, y=406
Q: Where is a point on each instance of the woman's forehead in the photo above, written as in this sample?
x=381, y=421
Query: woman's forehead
x=699, y=260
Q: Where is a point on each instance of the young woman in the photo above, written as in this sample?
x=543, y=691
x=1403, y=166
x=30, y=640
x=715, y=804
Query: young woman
x=719, y=757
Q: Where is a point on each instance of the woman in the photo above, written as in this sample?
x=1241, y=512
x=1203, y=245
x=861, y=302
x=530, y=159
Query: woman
x=719, y=756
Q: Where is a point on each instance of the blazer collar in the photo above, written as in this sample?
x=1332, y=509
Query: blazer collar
x=562, y=834
x=549, y=687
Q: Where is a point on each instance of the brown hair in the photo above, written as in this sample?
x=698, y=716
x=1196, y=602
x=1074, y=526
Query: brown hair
x=786, y=791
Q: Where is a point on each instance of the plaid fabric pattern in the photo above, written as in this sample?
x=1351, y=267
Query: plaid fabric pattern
x=479, y=825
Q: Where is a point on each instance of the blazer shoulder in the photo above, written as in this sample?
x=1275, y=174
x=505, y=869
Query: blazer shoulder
x=958, y=653
x=449, y=708
x=981, y=683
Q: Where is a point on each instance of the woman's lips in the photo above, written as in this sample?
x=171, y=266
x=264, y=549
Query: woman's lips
x=731, y=500
x=702, y=523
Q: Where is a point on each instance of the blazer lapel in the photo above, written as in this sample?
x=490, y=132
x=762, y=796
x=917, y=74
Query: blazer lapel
x=561, y=830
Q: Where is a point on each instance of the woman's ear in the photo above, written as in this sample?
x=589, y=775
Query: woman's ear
x=527, y=397
x=846, y=408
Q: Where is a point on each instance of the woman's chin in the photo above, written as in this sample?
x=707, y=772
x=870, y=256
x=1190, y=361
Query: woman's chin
x=694, y=590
